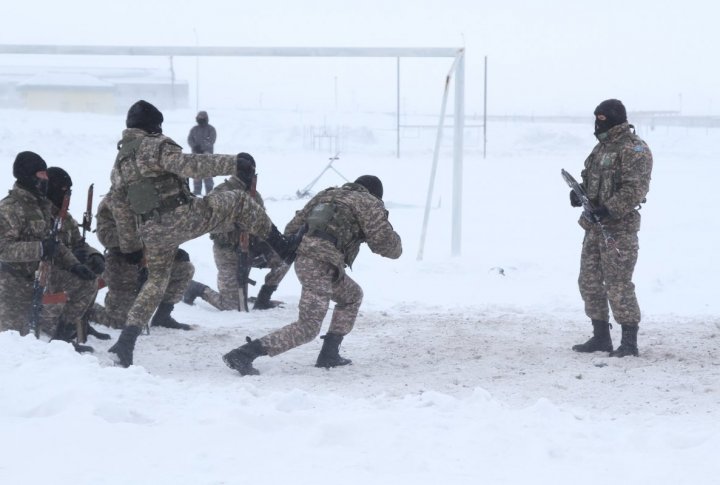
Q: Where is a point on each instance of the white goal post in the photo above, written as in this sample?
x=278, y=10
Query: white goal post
x=458, y=54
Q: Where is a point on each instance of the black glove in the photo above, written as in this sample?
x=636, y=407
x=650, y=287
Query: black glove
x=49, y=248
x=81, y=254
x=82, y=272
x=601, y=212
x=574, y=199
x=245, y=164
x=281, y=245
x=134, y=257
x=96, y=263
x=181, y=256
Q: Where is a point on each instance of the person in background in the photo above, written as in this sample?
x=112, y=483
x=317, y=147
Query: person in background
x=616, y=179
x=202, y=140
x=339, y=220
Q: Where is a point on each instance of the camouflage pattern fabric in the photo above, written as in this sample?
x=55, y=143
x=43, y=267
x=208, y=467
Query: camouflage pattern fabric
x=225, y=251
x=81, y=293
x=25, y=220
x=226, y=260
x=617, y=175
x=121, y=277
x=320, y=267
x=157, y=157
x=320, y=284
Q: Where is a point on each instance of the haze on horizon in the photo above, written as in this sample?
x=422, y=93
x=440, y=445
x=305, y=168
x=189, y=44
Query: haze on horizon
x=554, y=57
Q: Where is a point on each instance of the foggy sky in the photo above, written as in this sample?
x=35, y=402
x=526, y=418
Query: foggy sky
x=549, y=57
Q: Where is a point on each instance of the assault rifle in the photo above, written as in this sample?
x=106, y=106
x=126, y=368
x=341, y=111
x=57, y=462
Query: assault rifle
x=589, y=209
x=244, y=265
x=43, y=273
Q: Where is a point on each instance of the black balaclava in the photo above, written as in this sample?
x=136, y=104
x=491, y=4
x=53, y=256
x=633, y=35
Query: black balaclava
x=145, y=116
x=59, y=183
x=202, y=118
x=372, y=183
x=26, y=165
x=614, y=113
x=246, y=171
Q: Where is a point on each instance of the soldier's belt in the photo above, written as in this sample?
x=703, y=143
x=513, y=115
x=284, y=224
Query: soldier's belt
x=166, y=205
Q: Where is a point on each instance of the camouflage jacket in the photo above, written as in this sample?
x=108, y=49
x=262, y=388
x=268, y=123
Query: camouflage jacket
x=230, y=239
x=202, y=138
x=107, y=228
x=25, y=220
x=159, y=160
x=617, y=175
x=364, y=219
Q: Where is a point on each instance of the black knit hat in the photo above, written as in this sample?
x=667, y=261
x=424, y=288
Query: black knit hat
x=614, y=113
x=145, y=116
x=59, y=183
x=27, y=164
x=372, y=183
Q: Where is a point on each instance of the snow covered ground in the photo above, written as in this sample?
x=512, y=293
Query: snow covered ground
x=462, y=369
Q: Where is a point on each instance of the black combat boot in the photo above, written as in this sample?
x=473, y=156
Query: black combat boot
x=125, y=346
x=600, y=340
x=194, y=290
x=241, y=358
x=330, y=352
x=162, y=318
x=262, y=302
x=68, y=333
x=628, y=344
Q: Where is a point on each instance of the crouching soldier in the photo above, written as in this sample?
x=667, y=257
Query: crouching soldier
x=226, y=253
x=26, y=221
x=339, y=220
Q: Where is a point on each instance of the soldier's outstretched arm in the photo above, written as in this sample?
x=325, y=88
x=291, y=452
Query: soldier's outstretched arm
x=195, y=165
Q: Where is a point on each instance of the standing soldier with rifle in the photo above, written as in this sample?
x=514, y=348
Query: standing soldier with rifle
x=26, y=222
x=615, y=181
x=233, y=262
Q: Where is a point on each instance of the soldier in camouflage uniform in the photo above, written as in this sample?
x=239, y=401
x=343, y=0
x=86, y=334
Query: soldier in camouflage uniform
x=26, y=220
x=339, y=220
x=616, y=178
x=149, y=185
x=125, y=275
x=225, y=250
x=202, y=140
x=65, y=317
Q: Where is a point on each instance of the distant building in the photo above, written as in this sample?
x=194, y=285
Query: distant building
x=95, y=90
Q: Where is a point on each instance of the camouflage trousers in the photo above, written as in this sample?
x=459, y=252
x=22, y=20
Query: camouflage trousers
x=321, y=282
x=226, y=260
x=16, y=297
x=123, y=287
x=161, y=235
x=606, y=276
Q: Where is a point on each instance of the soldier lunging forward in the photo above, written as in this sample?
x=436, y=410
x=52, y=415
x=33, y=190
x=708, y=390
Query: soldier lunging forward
x=339, y=220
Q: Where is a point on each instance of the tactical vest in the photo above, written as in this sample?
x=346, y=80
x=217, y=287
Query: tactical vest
x=148, y=196
x=334, y=221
